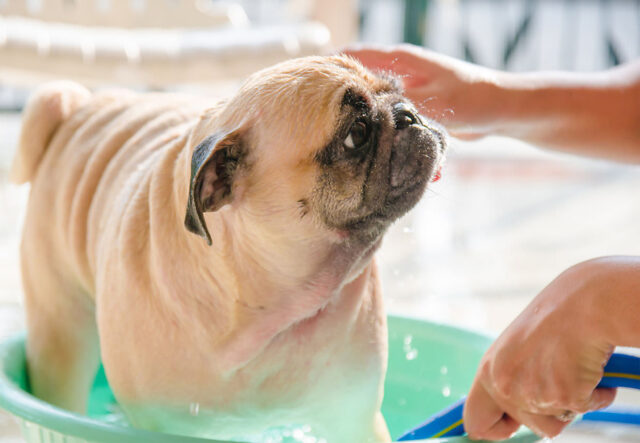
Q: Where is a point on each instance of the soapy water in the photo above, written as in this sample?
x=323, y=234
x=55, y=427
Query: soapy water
x=585, y=432
x=276, y=434
x=286, y=434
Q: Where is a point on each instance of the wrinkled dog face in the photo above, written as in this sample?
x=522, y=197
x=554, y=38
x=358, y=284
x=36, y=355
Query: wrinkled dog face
x=317, y=142
x=377, y=165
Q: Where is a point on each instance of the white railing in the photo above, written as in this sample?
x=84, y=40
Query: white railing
x=154, y=44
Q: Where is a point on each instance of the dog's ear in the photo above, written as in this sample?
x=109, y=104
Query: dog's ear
x=213, y=165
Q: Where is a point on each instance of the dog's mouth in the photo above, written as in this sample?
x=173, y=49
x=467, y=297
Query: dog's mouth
x=415, y=184
x=398, y=201
x=413, y=162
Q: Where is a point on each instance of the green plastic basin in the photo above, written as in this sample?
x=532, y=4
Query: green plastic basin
x=430, y=366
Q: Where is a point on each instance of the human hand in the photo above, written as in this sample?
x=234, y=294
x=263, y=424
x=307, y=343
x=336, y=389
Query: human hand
x=462, y=96
x=544, y=368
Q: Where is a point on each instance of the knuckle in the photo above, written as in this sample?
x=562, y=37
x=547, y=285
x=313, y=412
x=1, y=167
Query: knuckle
x=484, y=368
x=498, y=376
x=503, y=385
x=563, y=400
x=578, y=407
x=532, y=396
x=578, y=404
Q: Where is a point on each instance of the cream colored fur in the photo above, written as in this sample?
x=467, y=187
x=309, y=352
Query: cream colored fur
x=46, y=110
x=274, y=323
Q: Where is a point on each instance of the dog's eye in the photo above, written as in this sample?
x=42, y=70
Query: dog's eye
x=358, y=135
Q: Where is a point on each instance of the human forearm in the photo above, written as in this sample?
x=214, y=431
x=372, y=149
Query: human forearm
x=615, y=294
x=595, y=114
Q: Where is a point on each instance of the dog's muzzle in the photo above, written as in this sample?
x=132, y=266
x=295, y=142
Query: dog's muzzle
x=417, y=150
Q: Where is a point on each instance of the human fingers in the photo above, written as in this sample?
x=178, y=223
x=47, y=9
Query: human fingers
x=599, y=398
x=544, y=425
x=372, y=56
x=410, y=63
x=484, y=418
x=460, y=134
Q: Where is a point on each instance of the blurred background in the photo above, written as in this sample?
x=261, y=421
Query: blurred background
x=506, y=217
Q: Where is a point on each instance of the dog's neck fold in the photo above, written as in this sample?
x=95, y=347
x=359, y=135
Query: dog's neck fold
x=259, y=277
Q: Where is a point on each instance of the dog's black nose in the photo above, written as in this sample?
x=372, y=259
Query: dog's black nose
x=404, y=116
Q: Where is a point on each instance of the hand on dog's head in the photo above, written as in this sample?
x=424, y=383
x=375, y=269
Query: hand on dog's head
x=325, y=141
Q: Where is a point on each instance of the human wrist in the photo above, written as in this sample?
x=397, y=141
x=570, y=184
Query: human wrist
x=504, y=104
x=613, y=297
x=478, y=103
x=525, y=104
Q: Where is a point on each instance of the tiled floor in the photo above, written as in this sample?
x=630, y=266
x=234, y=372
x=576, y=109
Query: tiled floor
x=503, y=221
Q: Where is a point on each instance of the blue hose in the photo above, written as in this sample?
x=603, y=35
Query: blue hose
x=621, y=371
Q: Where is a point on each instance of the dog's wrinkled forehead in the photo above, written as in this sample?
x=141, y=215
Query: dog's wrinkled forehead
x=302, y=99
x=317, y=76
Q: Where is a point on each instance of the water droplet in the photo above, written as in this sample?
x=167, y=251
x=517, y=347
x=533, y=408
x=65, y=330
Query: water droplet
x=409, y=352
x=447, y=113
x=407, y=230
x=444, y=370
x=298, y=434
x=446, y=391
x=194, y=409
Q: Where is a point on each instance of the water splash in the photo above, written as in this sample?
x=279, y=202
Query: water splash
x=194, y=409
x=288, y=434
x=448, y=113
x=410, y=352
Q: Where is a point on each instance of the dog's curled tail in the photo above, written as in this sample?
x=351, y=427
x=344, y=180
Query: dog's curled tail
x=46, y=109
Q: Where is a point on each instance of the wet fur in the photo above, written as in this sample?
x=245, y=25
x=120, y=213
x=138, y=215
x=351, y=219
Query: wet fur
x=280, y=320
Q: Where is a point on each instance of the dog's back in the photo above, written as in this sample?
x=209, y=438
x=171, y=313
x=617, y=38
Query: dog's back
x=78, y=150
x=73, y=143
x=46, y=110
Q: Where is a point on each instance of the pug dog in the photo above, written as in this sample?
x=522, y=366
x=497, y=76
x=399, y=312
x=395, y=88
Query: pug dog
x=218, y=257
